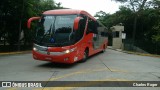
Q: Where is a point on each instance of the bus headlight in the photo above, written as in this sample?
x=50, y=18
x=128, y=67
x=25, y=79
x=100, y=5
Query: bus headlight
x=35, y=49
x=70, y=50
x=67, y=51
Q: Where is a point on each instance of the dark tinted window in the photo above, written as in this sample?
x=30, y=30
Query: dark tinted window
x=82, y=25
x=92, y=26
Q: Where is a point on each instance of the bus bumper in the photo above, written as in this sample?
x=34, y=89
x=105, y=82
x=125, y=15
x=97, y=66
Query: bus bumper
x=67, y=58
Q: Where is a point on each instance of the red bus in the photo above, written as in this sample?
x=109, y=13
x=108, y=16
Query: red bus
x=67, y=36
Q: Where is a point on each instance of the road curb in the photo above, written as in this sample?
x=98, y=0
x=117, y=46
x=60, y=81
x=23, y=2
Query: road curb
x=142, y=54
x=135, y=53
x=12, y=53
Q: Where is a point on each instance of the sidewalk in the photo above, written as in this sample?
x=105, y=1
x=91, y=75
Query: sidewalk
x=131, y=52
x=16, y=52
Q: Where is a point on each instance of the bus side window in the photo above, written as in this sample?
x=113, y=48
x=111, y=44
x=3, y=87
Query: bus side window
x=102, y=30
x=92, y=27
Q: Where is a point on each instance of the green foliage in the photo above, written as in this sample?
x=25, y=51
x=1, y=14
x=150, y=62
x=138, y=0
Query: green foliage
x=16, y=12
x=147, y=34
x=155, y=4
x=134, y=5
x=156, y=37
x=121, y=16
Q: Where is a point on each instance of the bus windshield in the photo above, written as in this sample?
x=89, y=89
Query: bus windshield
x=55, y=30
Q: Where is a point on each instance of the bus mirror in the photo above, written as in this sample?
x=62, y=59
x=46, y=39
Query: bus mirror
x=76, y=23
x=30, y=20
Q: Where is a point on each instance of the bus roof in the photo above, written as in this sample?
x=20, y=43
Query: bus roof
x=68, y=11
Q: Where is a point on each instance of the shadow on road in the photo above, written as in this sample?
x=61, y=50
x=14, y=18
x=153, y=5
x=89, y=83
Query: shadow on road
x=57, y=65
x=66, y=66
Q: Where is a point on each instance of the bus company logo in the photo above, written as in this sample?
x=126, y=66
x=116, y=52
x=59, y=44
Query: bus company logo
x=6, y=84
x=52, y=40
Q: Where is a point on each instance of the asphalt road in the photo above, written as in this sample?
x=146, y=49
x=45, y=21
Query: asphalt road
x=109, y=66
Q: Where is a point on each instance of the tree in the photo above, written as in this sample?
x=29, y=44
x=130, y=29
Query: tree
x=100, y=14
x=155, y=4
x=156, y=27
x=14, y=15
x=137, y=7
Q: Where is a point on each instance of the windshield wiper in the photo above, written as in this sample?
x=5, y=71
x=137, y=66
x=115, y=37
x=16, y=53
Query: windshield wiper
x=46, y=34
x=52, y=27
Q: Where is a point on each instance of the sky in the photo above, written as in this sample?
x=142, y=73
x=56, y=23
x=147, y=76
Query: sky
x=91, y=6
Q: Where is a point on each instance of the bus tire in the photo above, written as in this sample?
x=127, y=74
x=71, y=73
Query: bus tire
x=85, y=56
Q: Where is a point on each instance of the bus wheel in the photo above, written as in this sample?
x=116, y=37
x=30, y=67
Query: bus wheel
x=85, y=56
